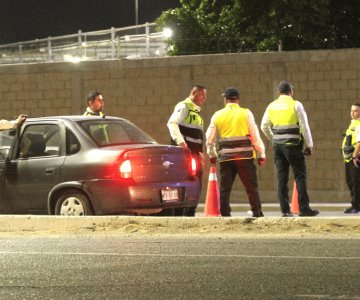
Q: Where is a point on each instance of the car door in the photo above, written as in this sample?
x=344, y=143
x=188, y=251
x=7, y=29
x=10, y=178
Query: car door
x=6, y=141
x=36, y=166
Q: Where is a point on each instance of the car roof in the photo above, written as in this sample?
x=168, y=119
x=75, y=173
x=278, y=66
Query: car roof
x=74, y=118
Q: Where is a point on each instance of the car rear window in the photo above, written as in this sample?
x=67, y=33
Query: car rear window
x=110, y=132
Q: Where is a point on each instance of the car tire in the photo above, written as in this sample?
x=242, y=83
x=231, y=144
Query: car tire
x=73, y=203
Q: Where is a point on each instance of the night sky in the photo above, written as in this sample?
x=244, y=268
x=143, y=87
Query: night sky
x=23, y=20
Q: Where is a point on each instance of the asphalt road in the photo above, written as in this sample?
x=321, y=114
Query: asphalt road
x=78, y=267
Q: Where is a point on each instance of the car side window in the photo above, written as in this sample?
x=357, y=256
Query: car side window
x=40, y=140
x=72, y=143
x=6, y=139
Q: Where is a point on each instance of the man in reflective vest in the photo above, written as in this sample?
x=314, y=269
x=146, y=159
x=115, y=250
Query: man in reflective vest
x=285, y=123
x=95, y=104
x=237, y=135
x=186, y=130
x=352, y=173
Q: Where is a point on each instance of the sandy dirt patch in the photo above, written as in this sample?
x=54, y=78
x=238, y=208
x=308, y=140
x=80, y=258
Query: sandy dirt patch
x=199, y=226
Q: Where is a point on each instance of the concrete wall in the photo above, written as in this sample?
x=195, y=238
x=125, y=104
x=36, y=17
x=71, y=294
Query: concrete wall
x=145, y=92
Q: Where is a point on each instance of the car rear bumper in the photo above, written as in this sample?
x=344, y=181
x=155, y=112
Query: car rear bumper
x=112, y=196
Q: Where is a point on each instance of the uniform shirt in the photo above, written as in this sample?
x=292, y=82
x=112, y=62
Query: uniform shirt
x=303, y=123
x=178, y=116
x=357, y=134
x=4, y=125
x=212, y=135
x=89, y=112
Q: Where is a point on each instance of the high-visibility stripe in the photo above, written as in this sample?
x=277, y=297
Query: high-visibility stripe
x=197, y=141
x=192, y=126
x=234, y=150
x=212, y=177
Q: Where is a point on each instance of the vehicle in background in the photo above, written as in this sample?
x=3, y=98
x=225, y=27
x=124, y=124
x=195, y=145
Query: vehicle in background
x=75, y=165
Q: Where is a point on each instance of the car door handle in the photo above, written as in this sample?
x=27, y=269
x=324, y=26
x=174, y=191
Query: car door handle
x=49, y=171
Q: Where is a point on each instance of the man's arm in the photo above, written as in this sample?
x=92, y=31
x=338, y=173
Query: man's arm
x=255, y=135
x=4, y=125
x=266, y=125
x=211, y=137
x=304, y=124
x=177, y=117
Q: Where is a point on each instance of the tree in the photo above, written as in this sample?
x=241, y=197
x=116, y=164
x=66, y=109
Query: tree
x=205, y=26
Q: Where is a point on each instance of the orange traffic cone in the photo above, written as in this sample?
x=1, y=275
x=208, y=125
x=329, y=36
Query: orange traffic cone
x=212, y=203
x=295, y=200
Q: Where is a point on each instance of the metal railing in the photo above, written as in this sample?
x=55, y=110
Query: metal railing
x=127, y=42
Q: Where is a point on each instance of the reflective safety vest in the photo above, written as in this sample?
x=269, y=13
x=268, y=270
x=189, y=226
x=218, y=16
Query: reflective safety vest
x=191, y=127
x=91, y=113
x=100, y=134
x=349, y=141
x=285, y=124
x=232, y=128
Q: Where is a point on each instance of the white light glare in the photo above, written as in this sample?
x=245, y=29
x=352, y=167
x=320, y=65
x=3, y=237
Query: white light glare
x=167, y=32
x=73, y=59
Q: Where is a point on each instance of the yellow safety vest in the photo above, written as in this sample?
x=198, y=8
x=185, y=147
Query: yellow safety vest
x=349, y=141
x=285, y=124
x=192, y=127
x=232, y=128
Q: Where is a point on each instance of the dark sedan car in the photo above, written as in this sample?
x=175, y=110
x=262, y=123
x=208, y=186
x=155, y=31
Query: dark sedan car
x=75, y=165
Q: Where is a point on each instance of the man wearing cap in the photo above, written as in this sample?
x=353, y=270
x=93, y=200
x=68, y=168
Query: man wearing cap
x=186, y=130
x=237, y=135
x=95, y=104
x=285, y=123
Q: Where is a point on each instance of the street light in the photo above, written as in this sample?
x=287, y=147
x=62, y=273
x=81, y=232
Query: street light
x=136, y=12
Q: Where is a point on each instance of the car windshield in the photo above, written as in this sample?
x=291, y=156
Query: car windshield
x=115, y=132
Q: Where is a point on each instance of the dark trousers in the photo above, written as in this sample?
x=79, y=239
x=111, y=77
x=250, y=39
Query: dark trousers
x=246, y=170
x=286, y=156
x=352, y=175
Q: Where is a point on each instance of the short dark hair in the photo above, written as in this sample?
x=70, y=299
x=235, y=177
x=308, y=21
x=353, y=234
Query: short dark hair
x=197, y=87
x=92, y=95
x=356, y=104
x=285, y=87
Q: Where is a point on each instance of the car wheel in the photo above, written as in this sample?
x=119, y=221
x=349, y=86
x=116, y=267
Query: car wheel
x=73, y=203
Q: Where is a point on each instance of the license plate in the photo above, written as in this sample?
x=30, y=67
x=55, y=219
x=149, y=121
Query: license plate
x=170, y=195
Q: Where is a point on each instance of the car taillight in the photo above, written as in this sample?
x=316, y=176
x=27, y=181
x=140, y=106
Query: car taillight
x=125, y=169
x=193, y=166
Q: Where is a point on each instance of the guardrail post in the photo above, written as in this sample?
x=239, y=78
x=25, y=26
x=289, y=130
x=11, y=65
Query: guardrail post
x=113, y=42
x=21, y=53
x=147, y=34
x=49, y=49
x=80, y=43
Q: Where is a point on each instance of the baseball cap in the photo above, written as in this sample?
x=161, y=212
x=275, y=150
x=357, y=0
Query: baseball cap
x=231, y=93
x=285, y=87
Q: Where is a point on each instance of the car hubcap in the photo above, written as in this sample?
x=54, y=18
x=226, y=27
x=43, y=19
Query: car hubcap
x=72, y=207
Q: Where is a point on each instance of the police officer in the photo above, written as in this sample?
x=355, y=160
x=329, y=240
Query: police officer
x=4, y=124
x=234, y=128
x=186, y=129
x=352, y=173
x=95, y=104
x=285, y=123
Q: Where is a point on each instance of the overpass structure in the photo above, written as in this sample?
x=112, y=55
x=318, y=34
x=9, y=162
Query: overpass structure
x=128, y=42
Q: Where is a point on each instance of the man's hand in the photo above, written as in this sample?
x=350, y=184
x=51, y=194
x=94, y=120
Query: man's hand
x=261, y=161
x=183, y=145
x=308, y=151
x=201, y=160
x=213, y=160
x=356, y=161
x=20, y=119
